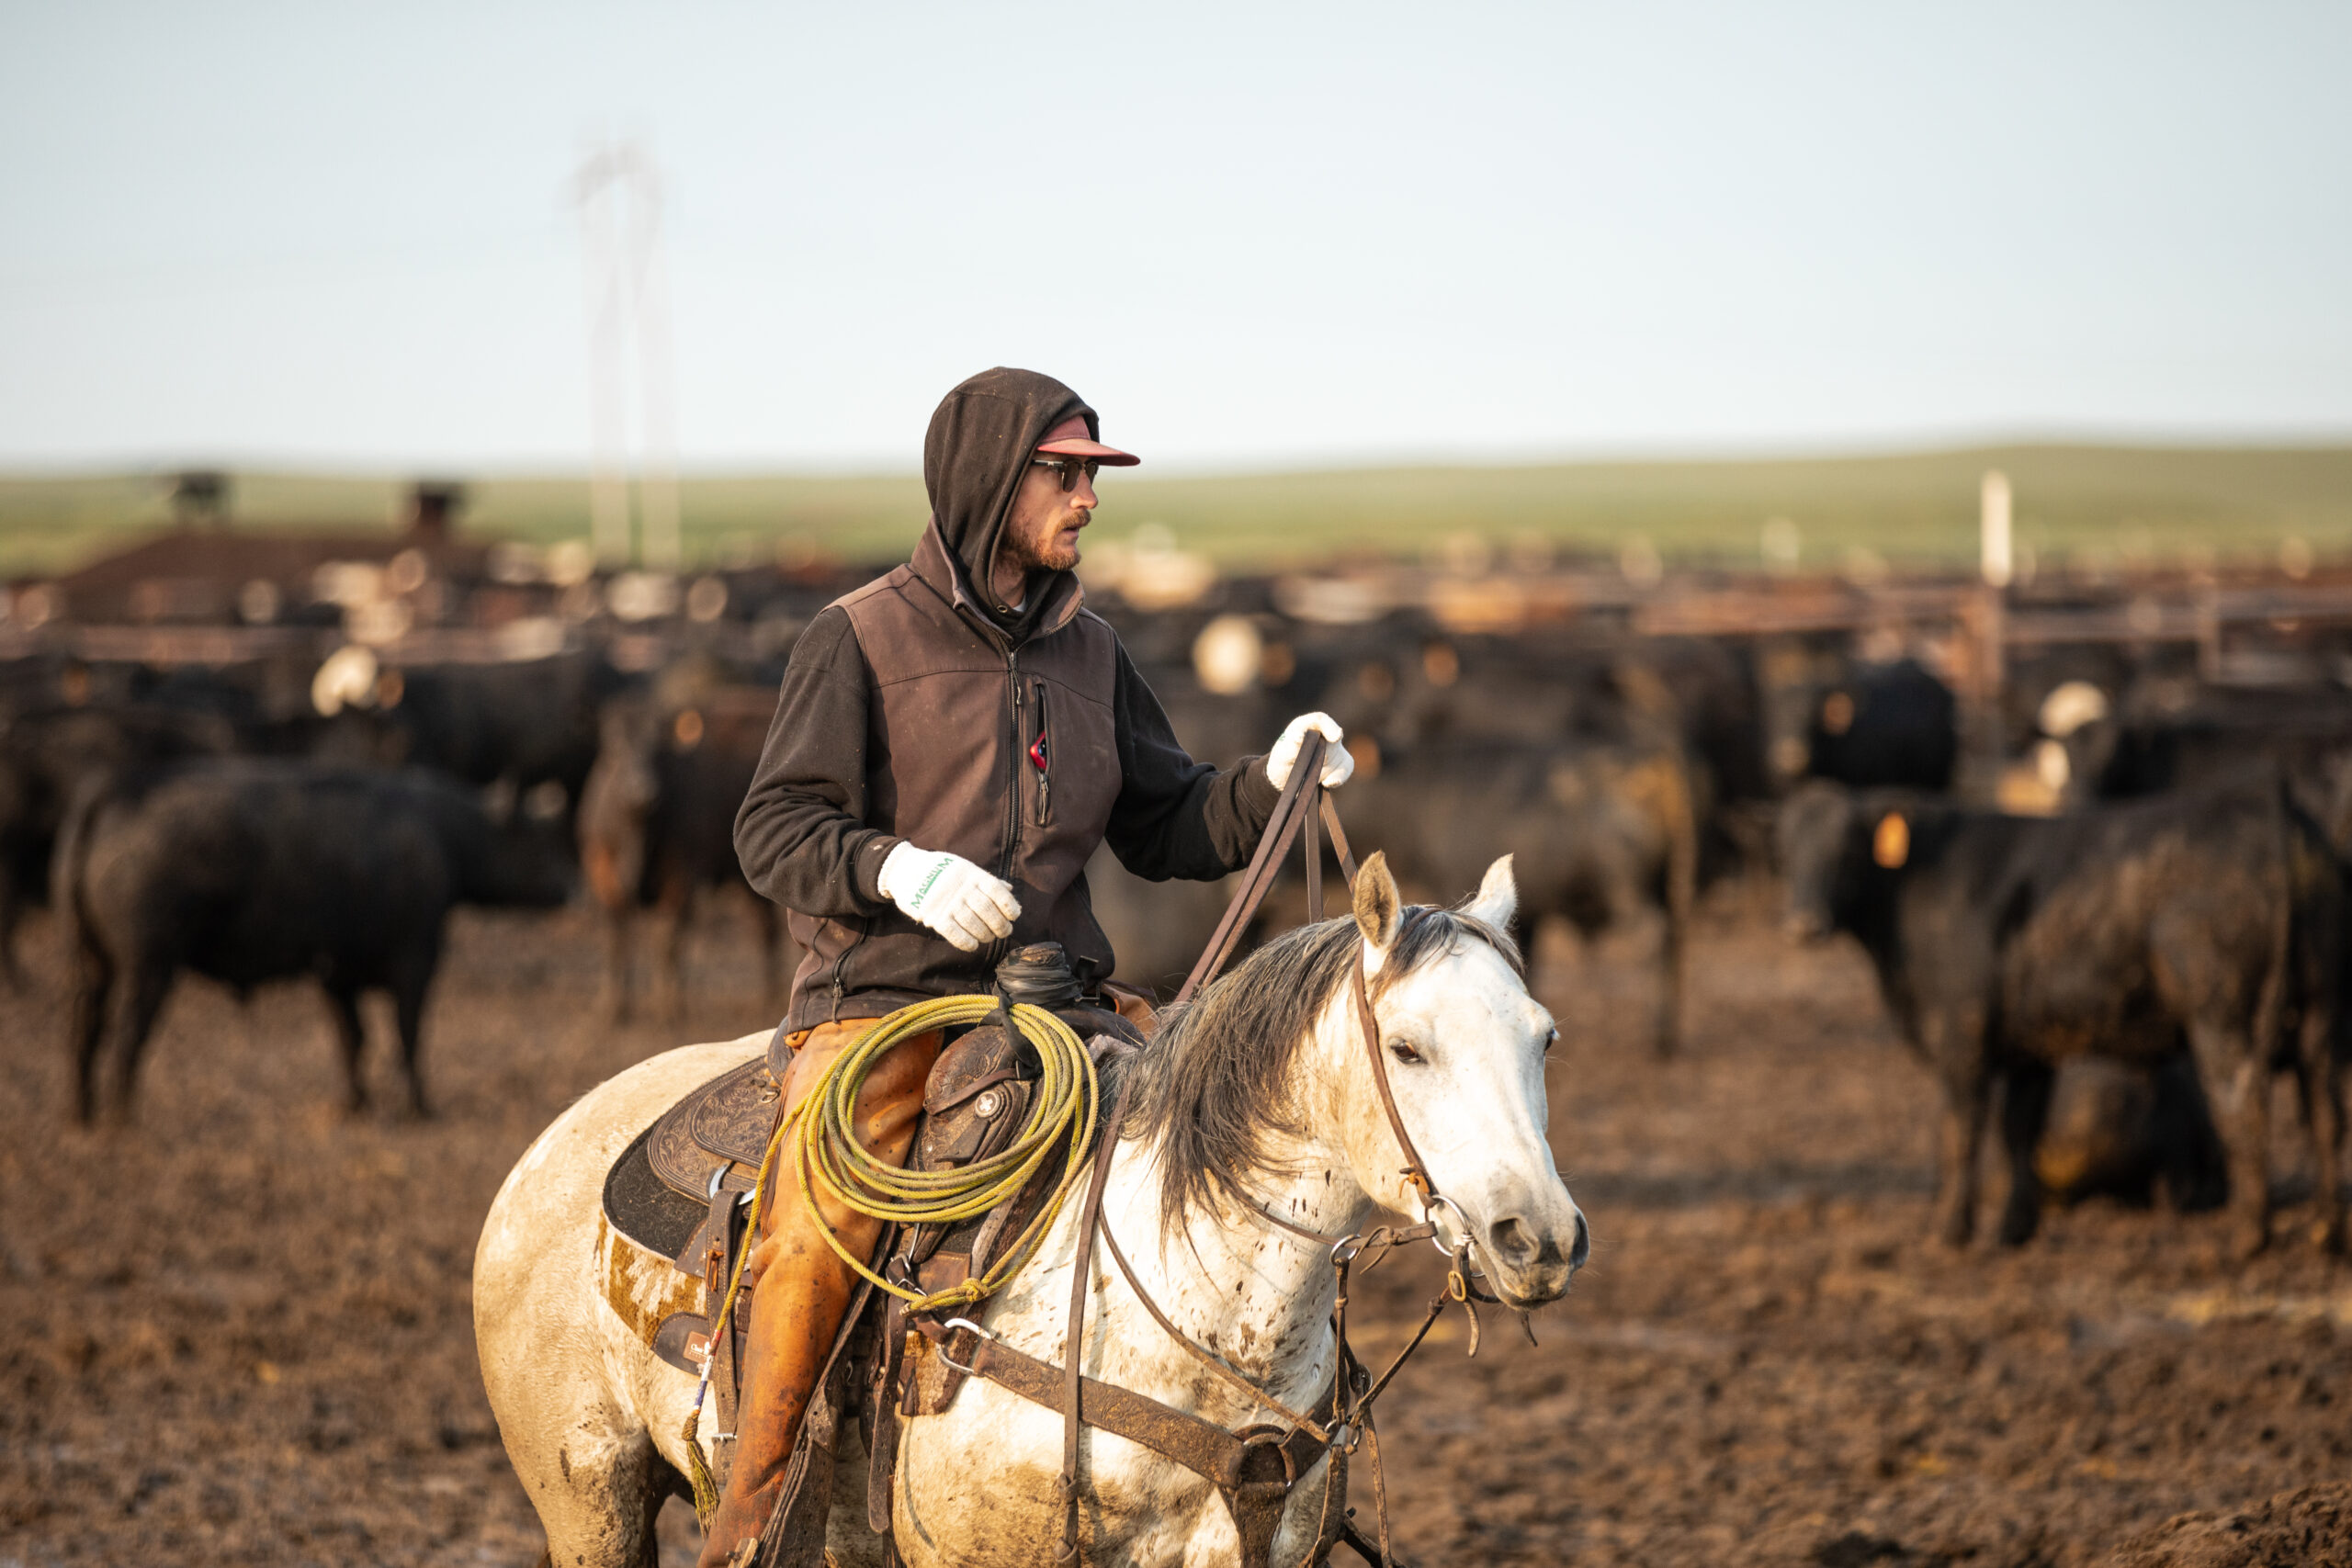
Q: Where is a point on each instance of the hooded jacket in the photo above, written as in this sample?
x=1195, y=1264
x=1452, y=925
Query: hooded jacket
x=1020, y=737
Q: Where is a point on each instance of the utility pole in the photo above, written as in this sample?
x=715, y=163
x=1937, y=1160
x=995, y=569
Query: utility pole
x=1996, y=568
x=1994, y=528
x=658, y=473
x=618, y=192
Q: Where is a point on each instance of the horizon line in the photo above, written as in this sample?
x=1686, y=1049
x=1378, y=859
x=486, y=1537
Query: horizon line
x=1644, y=454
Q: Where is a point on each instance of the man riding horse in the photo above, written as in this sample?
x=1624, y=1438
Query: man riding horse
x=953, y=741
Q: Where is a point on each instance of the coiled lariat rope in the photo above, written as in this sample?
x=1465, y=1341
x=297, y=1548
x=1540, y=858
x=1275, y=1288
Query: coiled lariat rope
x=830, y=1162
x=828, y=1158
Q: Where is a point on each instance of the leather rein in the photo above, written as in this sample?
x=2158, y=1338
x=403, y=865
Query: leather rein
x=1255, y=1469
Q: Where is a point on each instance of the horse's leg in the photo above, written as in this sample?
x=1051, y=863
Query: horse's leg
x=598, y=1486
x=351, y=1041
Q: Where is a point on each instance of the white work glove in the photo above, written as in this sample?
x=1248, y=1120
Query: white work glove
x=1338, y=767
x=949, y=894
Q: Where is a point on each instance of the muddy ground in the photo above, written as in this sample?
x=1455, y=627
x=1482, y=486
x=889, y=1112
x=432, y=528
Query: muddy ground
x=242, y=1335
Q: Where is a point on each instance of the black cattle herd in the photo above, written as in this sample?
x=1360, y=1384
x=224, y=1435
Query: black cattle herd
x=2127, y=969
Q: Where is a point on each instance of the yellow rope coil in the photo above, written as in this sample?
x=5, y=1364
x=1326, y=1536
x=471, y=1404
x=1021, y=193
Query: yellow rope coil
x=829, y=1161
x=827, y=1157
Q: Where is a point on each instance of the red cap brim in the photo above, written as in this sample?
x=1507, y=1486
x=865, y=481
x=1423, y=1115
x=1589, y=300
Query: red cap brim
x=1069, y=439
x=1109, y=456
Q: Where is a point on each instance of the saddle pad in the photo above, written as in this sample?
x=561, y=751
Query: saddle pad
x=662, y=1305
x=643, y=1207
x=726, y=1120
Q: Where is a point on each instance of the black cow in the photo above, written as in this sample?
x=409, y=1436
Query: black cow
x=2006, y=945
x=2172, y=735
x=656, y=826
x=47, y=758
x=1597, y=834
x=249, y=870
x=1418, y=687
x=1885, y=726
x=518, y=724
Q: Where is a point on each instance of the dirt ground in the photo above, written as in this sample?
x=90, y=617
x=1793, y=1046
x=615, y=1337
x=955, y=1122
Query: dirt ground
x=242, y=1333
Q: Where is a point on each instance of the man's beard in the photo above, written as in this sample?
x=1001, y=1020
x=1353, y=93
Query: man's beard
x=1051, y=556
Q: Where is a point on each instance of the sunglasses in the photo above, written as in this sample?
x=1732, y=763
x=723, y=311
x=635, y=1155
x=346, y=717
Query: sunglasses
x=1070, y=467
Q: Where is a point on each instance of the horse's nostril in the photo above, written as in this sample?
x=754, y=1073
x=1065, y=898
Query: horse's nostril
x=1580, y=1248
x=1512, y=1242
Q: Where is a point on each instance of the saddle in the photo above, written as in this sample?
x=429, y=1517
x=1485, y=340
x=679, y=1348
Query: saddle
x=683, y=1189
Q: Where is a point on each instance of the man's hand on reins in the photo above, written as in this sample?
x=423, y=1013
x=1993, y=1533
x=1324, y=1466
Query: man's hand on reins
x=1338, y=765
x=950, y=895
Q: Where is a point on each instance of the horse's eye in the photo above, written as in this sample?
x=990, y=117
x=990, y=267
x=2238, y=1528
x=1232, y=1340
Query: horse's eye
x=1403, y=1051
x=1551, y=1039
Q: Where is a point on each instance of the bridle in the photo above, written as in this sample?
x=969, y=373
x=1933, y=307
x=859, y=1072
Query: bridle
x=1303, y=801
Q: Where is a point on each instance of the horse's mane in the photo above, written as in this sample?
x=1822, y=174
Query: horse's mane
x=1216, y=1082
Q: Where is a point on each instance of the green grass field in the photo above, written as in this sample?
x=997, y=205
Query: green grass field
x=2095, y=505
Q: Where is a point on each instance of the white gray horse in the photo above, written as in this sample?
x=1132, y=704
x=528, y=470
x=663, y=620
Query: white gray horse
x=1259, y=1095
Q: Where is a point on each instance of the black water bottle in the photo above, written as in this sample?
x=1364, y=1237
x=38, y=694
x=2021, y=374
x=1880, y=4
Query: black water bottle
x=1039, y=975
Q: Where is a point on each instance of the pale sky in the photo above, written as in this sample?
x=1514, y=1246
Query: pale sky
x=1250, y=234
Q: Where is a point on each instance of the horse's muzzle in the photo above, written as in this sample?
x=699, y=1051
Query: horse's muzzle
x=1532, y=1264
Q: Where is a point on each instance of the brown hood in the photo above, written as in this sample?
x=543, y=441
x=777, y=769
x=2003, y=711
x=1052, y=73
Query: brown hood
x=974, y=456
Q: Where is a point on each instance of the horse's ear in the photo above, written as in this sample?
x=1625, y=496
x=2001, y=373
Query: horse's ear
x=1379, y=911
x=1498, y=898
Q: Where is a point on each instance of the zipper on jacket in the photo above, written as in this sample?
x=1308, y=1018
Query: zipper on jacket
x=1041, y=755
x=841, y=963
x=1020, y=744
x=997, y=950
